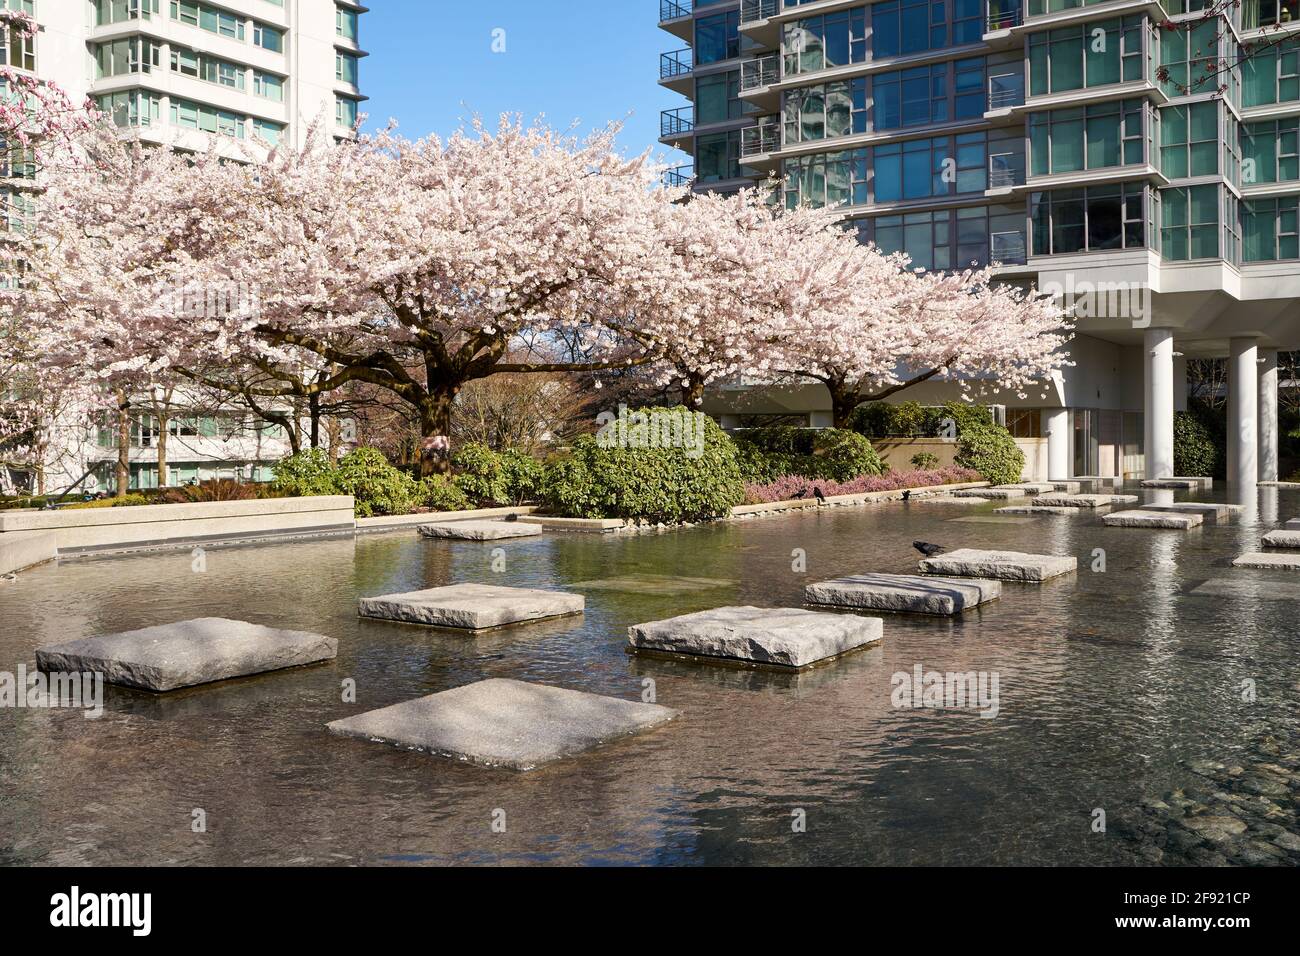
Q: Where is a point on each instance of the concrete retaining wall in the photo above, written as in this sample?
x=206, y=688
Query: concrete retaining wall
x=898, y=453
x=24, y=549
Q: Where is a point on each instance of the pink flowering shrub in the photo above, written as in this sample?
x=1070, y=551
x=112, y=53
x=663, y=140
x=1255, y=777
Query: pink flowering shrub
x=788, y=487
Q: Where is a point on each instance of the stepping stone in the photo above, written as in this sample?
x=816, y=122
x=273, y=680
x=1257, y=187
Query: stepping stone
x=780, y=637
x=1279, y=484
x=991, y=494
x=1067, y=487
x=1115, y=481
x=1273, y=560
x=1037, y=510
x=1206, y=510
x=187, y=653
x=1139, y=518
x=1182, y=483
x=504, y=723
x=1003, y=565
x=480, y=530
x=1028, y=487
x=1283, y=539
x=473, y=607
x=653, y=584
x=1248, y=588
x=991, y=519
x=904, y=593
x=1293, y=524
x=1083, y=501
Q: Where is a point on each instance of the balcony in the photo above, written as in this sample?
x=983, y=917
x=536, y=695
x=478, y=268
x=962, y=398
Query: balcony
x=1006, y=92
x=675, y=70
x=759, y=143
x=1005, y=14
x=675, y=126
x=757, y=77
x=756, y=21
x=1006, y=171
x=676, y=16
x=679, y=177
x=1008, y=248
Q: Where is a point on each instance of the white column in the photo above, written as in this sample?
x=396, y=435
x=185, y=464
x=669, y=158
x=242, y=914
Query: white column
x=1158, y=345
x=1056, y=426
x=1268, y=421
x=1243, y=412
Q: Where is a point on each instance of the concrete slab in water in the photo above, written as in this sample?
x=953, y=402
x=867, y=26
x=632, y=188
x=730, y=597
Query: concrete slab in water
x=1250, y=588
x=1067, y=487
x=1279, y=484
x=1139, y=518
x=782, y=637
x=1293, y=524
x=474, y=607
x=1037, y=510
x=904, y=593
x=187, y=653
x=1113, y=481
x=480, y=530
x=1283, y=539
x=1272, y=560
x=1205, y=510
x=1181, y=483
x=991, y=519
x=1084, y=501
x=991, y=494
x=504, y=723
x=1029, y=487
x=653, y=584
x=1002, y=565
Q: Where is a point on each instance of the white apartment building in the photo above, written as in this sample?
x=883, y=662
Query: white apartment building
x=234, y=75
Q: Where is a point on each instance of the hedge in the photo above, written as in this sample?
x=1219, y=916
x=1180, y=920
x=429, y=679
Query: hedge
x=833, y=454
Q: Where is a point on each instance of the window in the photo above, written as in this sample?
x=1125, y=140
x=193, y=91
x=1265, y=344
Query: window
x=345, y=23
x=19, y=6
x=17, y=50
x=717, y=156
x=189, y=115
x=345, y=68
x=17, y=211
x=1094, y=54
x=1189, y=140
x=900, y=27
x=268, y=37
x=915, y=97
x=827, y=179
x=1190, y=222
x=1092, y=137
x=717, y=98
x=207, y=18
x=926, y=237
x=1270, y=74
x=131, y=107
x=1263, y=13
x=1270, y=229
x=268, y=85
x=925, y=168
x=204, y=67
x=1190, y=57
x=113, y=11
x=820, y=43
x=717, y=37
x=1093, y=219
x=826, y=111
x=1269, y=151
x=128, y=55
x=268, y=131
x=345, y=112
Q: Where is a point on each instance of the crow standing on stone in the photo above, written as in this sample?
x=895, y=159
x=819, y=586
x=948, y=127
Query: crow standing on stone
x=821, y=498
x=929, y=550
x=512, y=517
x=907, y=495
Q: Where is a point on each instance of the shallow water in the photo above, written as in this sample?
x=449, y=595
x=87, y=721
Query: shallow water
x=1109, y=684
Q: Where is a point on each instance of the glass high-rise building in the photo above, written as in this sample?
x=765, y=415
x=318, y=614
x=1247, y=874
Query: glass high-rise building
x=1074, y=144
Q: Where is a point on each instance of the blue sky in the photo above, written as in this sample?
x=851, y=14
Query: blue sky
x=432, y=64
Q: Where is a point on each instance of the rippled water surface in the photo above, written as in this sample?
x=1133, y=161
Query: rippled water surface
x=1110, y=685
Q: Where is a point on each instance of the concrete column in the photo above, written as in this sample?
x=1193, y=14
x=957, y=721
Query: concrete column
x=1268, y=420
x=1158, y=346
x=1056, y=427
x=1243, y=412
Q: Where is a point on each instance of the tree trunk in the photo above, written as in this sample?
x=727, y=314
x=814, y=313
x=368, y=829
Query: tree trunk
x=844, y=399
x=313, y=411
x=435, y=431
x=162, y=452
x=693, y=393
x=123, y=447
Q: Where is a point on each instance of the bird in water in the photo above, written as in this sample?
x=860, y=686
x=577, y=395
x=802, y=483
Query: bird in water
x=821, y=498
x=512, y=518
x=907, y=496
x=929, y=550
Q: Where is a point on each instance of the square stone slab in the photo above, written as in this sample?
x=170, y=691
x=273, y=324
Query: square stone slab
x=1067, y=487
x=991, y=494
x=473, y=607
x=1283, y=539
x=991, y=519
x=171, y=656
x=1114, y=481
x=1084, y=501
x=504, y=723
x=1028, y=487
x=480, y=530
x=1293, y=524
x=1252, y=589
x=1002, y=565
x=1205, y=510
x=1037, y=510
x=653, y=584
x=904, y=593
x=1138, y=518
x=1183, y=483
x=1272, y=560
x=780, y=637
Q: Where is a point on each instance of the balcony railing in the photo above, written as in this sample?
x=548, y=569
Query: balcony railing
x=1006, y=91
x=677, y=63
x=760, y=139
x=753, y=10
x=759, y=72
x=675, y=9
x=676, y=122
x=1008, y=248
x=1004, y=15
x=679, y=176
x=1006, y=169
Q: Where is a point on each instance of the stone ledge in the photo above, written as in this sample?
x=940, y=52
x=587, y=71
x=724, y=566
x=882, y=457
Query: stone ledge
x=863, y=498
x=504, y=723
x=409, y=522
x=991, y=494
x=1000, y=565
x=904, y=593
x=1038, y=510
x=1138, y=518
x=1274, y=560
x=594, y=525
x=20, y=550
x=1288, y=540
x=1178, y=483
x=479, y=530
x=1084, y=501
x=472, y=607
x=1205, y=510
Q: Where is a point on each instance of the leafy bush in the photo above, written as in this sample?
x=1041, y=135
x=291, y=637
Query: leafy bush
x=221, y=489
x=993, y=453
x=440, y=494
x=605, y=479
x=925, y=461
x=496, y=479
x=1199, y=447
x=787, y=488
x=126, y=501
x=766, y=454
x=379, y=488
x=306, y=474
x=904, y=420
x=983, y=445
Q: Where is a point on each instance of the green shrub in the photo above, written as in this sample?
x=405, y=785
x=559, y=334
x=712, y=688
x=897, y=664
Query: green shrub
x=306, y=474
x=126, y=501
x=993, y=453
x=441, y=494
x=523, y=475
x=496, y=479
x=925, y=461
x=379, y=488
x=1198, y=450
x=904, y=420
x=833, y=454
x=605, y=479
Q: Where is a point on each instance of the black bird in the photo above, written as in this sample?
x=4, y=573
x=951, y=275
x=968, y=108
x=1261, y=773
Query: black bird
x=800, y=494
x=907, y=496
x=929, y=550
x=512, y=518
x=821, y=498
